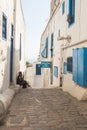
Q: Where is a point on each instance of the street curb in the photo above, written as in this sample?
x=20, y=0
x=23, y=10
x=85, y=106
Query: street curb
x=6, y=98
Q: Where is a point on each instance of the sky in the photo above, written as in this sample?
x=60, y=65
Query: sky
x=36, y=14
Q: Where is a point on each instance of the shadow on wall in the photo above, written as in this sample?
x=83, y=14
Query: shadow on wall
x=6, y=68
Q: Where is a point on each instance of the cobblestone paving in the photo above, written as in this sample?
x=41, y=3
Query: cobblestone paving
x=45, y=109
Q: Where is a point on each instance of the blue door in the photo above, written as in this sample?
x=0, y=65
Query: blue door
x=82, y=67
x=38, y=69
x=11, y=60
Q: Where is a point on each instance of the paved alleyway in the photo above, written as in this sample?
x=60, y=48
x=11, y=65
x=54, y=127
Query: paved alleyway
x=45, y=109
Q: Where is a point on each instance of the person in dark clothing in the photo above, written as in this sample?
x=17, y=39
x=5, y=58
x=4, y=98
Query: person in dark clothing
x=21, y=81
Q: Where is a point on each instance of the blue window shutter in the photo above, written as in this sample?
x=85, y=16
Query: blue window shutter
x=70, y=7
x=73, y=8
x=46, y=47
x=44, y=52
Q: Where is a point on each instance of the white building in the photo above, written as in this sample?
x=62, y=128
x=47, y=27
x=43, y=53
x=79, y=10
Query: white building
x=12, y=42
x=33, y=75
x=64, y=45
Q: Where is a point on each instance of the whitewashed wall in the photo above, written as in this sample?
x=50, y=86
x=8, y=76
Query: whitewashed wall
x=19, y=65
x=6, y=7
x=78, y=33
x=15, y=17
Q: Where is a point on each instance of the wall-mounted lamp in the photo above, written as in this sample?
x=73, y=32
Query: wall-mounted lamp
x=68, y=38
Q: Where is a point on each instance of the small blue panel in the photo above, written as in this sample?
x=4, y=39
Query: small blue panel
x=45, y=64
x=65, y=68
x=55, y=71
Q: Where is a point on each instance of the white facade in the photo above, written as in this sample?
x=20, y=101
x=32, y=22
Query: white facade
x=10, y=61
x=66, y=38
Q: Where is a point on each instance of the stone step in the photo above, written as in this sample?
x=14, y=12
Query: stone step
x=6, y=98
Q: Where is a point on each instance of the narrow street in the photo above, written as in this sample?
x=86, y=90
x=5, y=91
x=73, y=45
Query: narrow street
x=45, y=109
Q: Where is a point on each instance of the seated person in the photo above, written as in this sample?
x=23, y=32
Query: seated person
x=21, y=81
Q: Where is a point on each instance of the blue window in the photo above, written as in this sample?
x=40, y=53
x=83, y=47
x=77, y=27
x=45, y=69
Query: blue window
x=20, y=45
x=55, y=71
x=71, y=12
x=69, y=64
x=63, y=7
x=4, y=27
x=51, y=49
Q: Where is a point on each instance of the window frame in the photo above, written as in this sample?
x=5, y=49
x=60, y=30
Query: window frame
x=4, y=27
